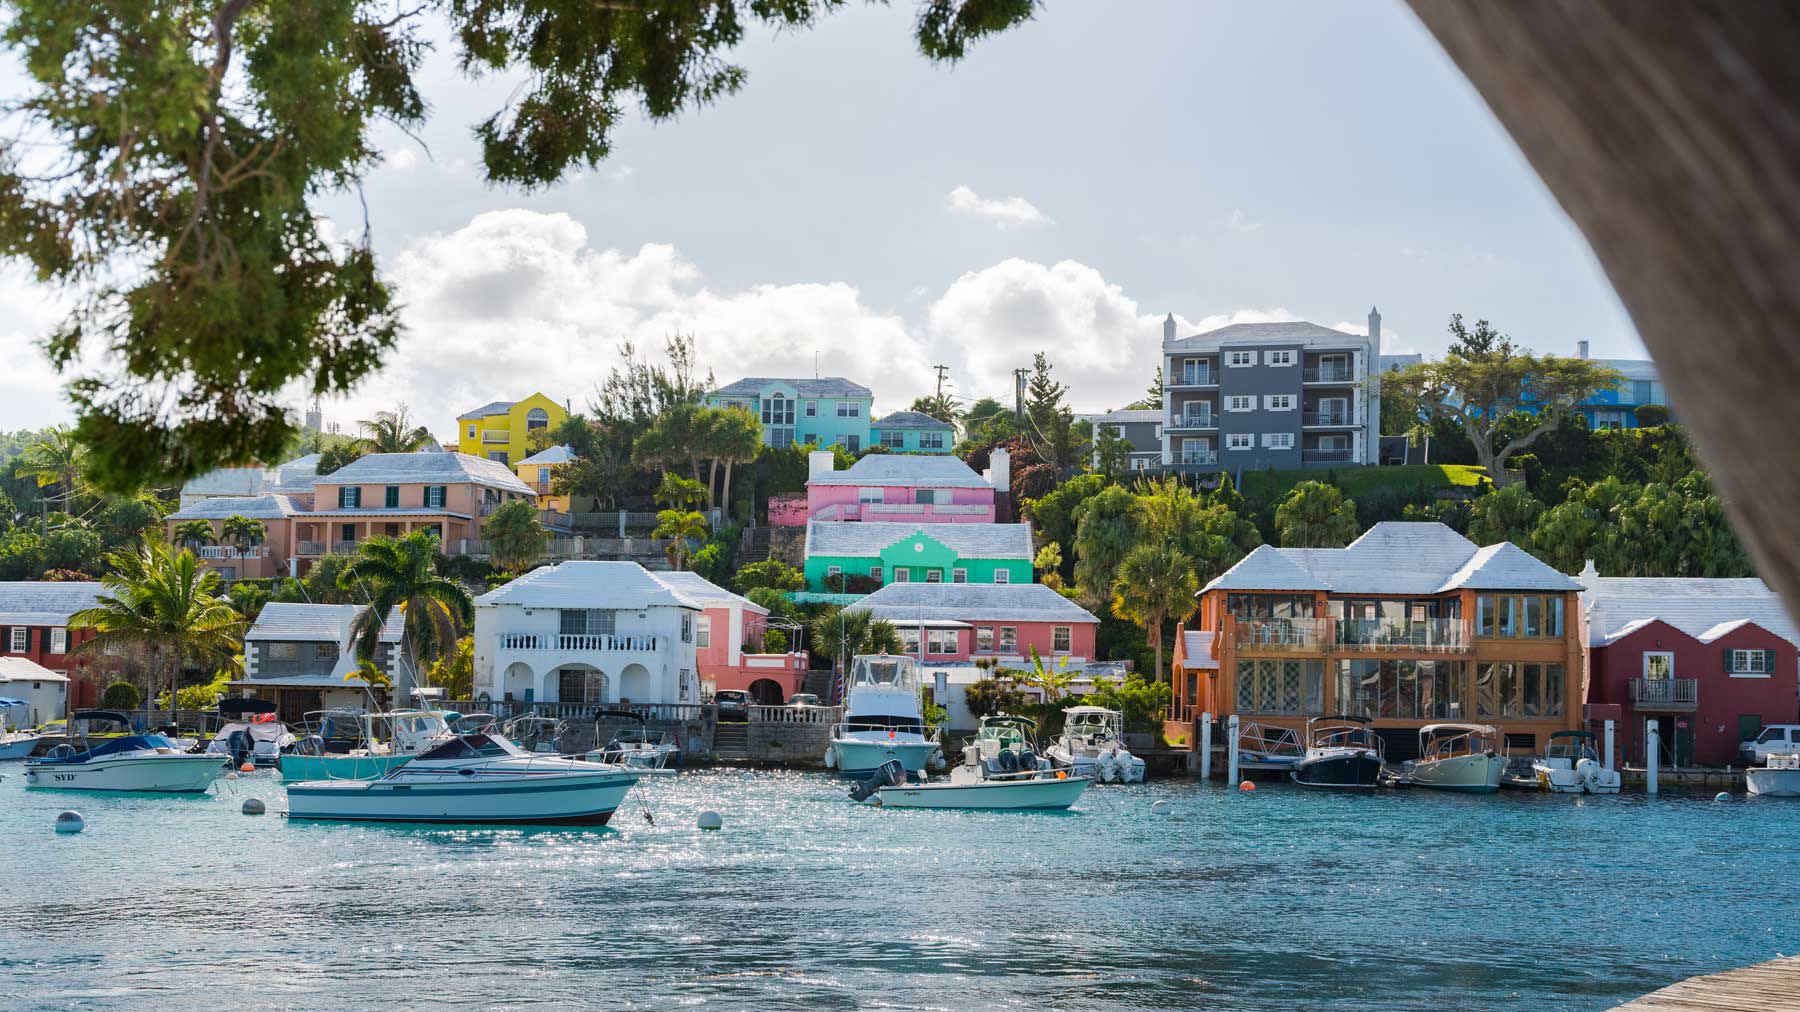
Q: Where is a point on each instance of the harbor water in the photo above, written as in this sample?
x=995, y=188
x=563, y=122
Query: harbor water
x=1277, y=899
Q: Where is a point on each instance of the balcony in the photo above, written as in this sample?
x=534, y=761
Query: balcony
x=1327, y=418
x=1670, y=695
x=602, y=643
x=1282, y=635
x=1328, y=374
x=1192, y=420
x=891, y=511
x=1196, y=457
x=232, y=552
x=1192, y=378
x=500, y=437
x=1312, y=455
x=1436, y=635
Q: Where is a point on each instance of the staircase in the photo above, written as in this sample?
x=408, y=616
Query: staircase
x=822, y=684
x=755, y=546
x=731, y=741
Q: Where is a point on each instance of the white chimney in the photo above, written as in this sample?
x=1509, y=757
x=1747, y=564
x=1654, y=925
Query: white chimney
x=1375, y=329
x=1581, y=349
x=1169, y=328
x=820, y=462
x=999, y=472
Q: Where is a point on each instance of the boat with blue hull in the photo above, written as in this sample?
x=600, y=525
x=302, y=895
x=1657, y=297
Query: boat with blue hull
x=883, y=720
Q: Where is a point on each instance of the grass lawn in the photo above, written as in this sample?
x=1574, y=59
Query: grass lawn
x=1270, y=486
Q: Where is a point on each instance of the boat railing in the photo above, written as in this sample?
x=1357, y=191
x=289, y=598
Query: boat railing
x=930, y=732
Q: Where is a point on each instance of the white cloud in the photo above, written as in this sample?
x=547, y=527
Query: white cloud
x=400, y=159
x=1391, y=341
x=1240, y=222
x=1008, y=211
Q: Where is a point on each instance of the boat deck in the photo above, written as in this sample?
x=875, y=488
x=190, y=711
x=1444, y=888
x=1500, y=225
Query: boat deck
x=1765, y=987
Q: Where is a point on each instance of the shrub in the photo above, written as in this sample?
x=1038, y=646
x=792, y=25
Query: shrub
x=772, y=573
x=991, y=695
x=1651, y=415
x=852, y=583
x=775, y=642
x=120, y=696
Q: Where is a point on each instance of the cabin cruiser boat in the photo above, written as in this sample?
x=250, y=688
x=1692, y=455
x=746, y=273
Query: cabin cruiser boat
x=882, y=719
x=1341, y=752
x=1455, y=757
x=349, y=744
x=1777, y=777
x=477, y=777
x=1092, y=745
x=637, y=748
x=1571, y=765
x=1000, y=770
x=133, y=762
x=1267, y=749
x=14, y=743
x=249, y=733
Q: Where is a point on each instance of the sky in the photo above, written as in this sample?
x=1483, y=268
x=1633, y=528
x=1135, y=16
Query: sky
x=858, y=211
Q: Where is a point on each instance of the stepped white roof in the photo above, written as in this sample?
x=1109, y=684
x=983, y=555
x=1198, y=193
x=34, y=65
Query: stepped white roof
x=324, y=623
x=1287, y=332
x=705, y=592
x=1395, y=557
x=968, y=541
x=623, y=585
x=45, y=602
x=23, y=669
x=919, y=471
x=1703, y=608
x=261, y=507
x=972, y=602
x=1196, y=650
x=426, y=469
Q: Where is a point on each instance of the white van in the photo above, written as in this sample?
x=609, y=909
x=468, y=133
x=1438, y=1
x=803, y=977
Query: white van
x=1774, y=739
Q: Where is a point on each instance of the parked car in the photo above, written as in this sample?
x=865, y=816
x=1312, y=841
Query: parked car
x=733, y=704
x=803, y=699
x=1775, y=739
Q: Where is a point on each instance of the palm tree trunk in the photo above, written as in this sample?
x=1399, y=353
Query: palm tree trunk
x=712, y=481
x=726, y=491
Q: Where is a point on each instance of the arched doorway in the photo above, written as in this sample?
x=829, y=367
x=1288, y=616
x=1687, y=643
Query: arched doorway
x=580, y=683
x=766, y=692
x=635, y=685
x=518, y=681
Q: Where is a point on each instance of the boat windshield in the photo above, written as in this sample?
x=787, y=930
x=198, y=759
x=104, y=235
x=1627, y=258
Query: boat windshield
x=1571, y=746
x=890, y=670
x=472, y=746
x=1343, y=736
x=884, y=722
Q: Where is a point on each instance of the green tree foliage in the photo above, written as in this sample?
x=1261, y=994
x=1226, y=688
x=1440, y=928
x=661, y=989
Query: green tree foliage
x=1673, y=530
x=1316, y=515
x=242, y=531
x=674, y=438
x=393, y=432
x=988, y=421
x=126, y=522
x=248, y=597
x=120, y=696
x=516, y=539
x=1509, y=513
x=1206, y=530
x=735, y=438
x=718, y=557
x=1056, y=513
x=677, y=492
x=1109, y=527
x=193, y=533
x=1156, y=584
x=684, y=531
x=772, y=573
x=1048, y=563
x=1567, y=534
x=775, y=601
x=160, y=606
x=989, y=696
x=774, y=641
x=938, y=406
x=637, y=390
x=840, y=634
x=1650, y=416
x=1139, y=699
x=455, y=671
x=1050, y=422
x=402, y=573
x=334, y=458
x=58, y=460
x=1113, y=453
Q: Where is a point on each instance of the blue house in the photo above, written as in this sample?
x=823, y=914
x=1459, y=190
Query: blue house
x=1617, y=408
x=826, y=411
x=914, y=432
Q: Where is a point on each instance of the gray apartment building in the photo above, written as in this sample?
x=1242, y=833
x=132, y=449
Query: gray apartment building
x=1142, y=429
x=1253, y=396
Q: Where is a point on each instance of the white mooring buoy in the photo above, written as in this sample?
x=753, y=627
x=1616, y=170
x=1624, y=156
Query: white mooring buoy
x=1159, y=807
x=1722, y=796
x=254, y=806
x=746, y=775
x=70, y=822
x=231, y=776
x=710, y=820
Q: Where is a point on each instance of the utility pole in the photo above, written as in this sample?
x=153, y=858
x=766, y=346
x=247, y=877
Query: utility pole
x=941, y=371
x=1019, y=396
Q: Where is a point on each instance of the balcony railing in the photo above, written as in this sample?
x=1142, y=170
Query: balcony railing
x=491, y=436
x=887, y=510
x=1681, y=694
x=1197, y=457
x=1436, y=634
x=1282, y=635
x=1328, y=374
x=233, y=552
x=1192, y=420
x=1312, y=455
x=1327, y=418
x=1193, y=378
x=310, y=548
x=585, y=642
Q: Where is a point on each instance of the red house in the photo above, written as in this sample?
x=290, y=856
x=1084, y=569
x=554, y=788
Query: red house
x=949, y=622
x=34, y=627
x=1710, y=661
x=730, y=640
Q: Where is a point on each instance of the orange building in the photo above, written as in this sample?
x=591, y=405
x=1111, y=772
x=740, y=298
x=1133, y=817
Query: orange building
x=1410, y=624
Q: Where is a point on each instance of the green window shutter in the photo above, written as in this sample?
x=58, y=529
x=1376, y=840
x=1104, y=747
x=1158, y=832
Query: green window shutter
x=1728, y=660
x=1769, y=661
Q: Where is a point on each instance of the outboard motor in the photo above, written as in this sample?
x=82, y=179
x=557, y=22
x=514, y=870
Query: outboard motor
x=238, y=742
x=888, y=774
x=1028, y=760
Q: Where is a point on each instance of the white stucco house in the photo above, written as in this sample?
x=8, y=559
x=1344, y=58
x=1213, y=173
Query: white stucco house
x=30, y=693
x=588, y=633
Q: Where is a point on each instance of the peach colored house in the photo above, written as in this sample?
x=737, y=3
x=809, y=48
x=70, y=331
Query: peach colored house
x=381, y=494
x=728, y=640
x=903, y=488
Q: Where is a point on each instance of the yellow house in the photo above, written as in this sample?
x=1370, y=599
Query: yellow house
x=535, y=471
x=502, y=430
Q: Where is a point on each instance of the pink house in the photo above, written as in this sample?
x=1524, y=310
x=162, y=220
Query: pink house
x=904, y=488
x=728, y=637
x=948, y=622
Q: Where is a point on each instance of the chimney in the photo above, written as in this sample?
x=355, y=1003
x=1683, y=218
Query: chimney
x=1581, y=349
x=820, y=462
x=1169, y=328
x=999, y=472
x=1375, y=329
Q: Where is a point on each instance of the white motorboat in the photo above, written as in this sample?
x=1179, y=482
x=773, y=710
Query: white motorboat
x=249, y=733
x=637, y=748
x=882, y=719
x=1571, y=765
x=1268, y=748
x=14, y=743
x=478, y=777
x=133, y=762
x=1777, y=777
x=1000, y=771
x=1456, y=757
x=1092, y=745
x=1342, y=752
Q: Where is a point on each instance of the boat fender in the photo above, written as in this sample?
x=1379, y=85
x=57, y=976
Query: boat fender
x=231, y=776
x=830, y=758
x=254, y=806
x=70, y=822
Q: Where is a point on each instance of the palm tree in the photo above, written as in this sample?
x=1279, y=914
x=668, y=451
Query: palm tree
x=194, y=533
x=515, y=537
x=402, y=573
x=842, y=633
x=161, y=604
x=1156, y=582
x=676, y=492
x=683, y=531
x=736, y=439
x=246, y=532
x=56, y=459
x=393, y=432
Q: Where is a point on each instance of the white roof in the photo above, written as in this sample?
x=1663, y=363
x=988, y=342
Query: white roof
x=297, y=475
x=14, y=668
x=1395, y=557
x=1288, y=332
x=239, y=481
x=622, y=585
x=551, y=455
x=1196, y=651
x=43, y=602
x=1126, y=416
x=1703, y=608
x=972, y=602
x=705, y=592
x=968, y=541
x=921, y=471
x=325, y=623
x=425, y=469
x=261, y=507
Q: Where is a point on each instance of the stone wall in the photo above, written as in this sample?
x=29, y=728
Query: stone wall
x=695, y=737
x=789, y=545
x=791, y=744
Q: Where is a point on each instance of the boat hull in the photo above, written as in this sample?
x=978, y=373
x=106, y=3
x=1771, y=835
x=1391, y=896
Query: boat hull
x=567, y=799
x=339, y=767
x=1018, y=796
x=169, y=773
x=1473, y=773
x=1559, y=777
x=18, y=748
x=860, y=758
x=1768, y=783
x=1342, y=771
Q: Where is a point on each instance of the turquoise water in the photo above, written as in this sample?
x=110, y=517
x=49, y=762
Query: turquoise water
x=1280, y=899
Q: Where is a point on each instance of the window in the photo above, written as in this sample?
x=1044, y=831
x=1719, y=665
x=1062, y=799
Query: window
x=59, y=640
x=909, y=639
x=349, y=497
x=812, y=409
x=348, y=533
x=587, y=622
x=1510, y=689
x=1279, y=402
x=1280, y=358
x=498, y=455
x=851, y=442
x=1060, y=639
x=579, y=685
x=781, y=438
x=703, y=631
x=1240, y=402
x=984, y=638
x=1238, y=441
x=1407, y=689
x=392, y=498
x=959, y=576
x=537, y=418
x=325, y=651
x=21, y=639
x=833, y=570
x=849, y=409
x=932, y=497
x=1138, y=463
x=1240, y=358
x=687, y=627
x=931, y=440
x=284, y=651
x=778, y=410
x=902, y=575
x=934, y=576
x=471, y=430
x=1278, y=440
x=875, y=573
x=1535, y=616
x=940, y=641
x=893, y=439
x=1009, y=638
x=1750, y=662
x=434, y=496
x=1280, y=686
x=1002, y=576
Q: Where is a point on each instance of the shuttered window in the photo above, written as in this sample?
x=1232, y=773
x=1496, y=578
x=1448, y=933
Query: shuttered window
x=1749, y=662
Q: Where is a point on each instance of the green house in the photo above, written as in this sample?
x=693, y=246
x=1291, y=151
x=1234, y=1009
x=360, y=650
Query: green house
x=918, y=553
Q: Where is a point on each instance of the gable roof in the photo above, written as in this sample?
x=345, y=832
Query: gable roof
x=1395, y=557
x=912, y=420
x=1286, y=332
x=579, y=584
x=260, y=507
x=14, y=668
x=427, y=469
x=290, y=621
x=1196, y=650
x=968, y=541
x=824, y=386
x=44, y=602
x=705, y=592
x=490, y=408
x=972, y=602
x=550, y=455
x=904, y=469
x=1703, y=608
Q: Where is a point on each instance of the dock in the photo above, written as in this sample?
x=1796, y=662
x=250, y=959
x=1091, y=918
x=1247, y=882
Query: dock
x=1766, y=987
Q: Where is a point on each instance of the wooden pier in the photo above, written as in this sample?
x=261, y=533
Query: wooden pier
x=1766, y=987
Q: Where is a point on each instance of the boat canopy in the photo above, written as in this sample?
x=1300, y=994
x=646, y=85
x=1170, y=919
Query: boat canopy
x=239, y=705
x=1007, y=718
x=114, y=746
x=112, y=715
x=1435, y=729
x=1347, y=717
x=1078, y=710
x=472, y=746
x=609, y=714
x=9, y=701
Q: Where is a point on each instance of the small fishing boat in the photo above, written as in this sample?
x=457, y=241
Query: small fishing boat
x=1777, y=777
x=1000, y=771
x=1268, y=749
x=1455, y=757
x=1571, y=765
x=637, y=748
x=14, y=743
x=479, y=777
x=882, y=719
x=1092, y=745
x=249, y=733
x=1342, y=752
x=133, y=762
